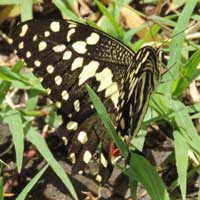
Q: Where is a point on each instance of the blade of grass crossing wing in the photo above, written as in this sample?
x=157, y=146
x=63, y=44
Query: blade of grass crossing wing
x=107, y=122
x=36, y=139
x=148, y=176
x=181, y=155
x=31, y=184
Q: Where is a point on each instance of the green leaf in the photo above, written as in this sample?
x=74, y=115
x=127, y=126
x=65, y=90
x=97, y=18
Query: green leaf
x=36, y=139
x=141, y=170
x=129, y=34
x=26, y=9
x=33, y=97
x=8, y=75
x=181, y=154
x=8, y=2
x=14, y=121
x=5, y=85
x=186, y=126
x=65, y=10
x=1, y=188
x=186, y=73
x=31, y=184
x=112, y=22
x=107, y=122
x=176, y=44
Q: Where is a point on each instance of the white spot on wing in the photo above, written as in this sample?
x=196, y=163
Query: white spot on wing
x=58, y=80
x=35, y=37
x=77, y=105
x=10, y=40
x=80, y=172
x=42, y=46
x=113, y=92
x=122, y=123
x=46, y=33
x=55, y=26
x=93, y=39
x=65, y=95
x=103, y=160
x=78, y=62
x=37, y=63
x=88, y=71
x=87, y=157
x=98, y=178
x=82, y=137
x=21, y=45
x=28, y=54
x=72, y=125
x=50, y=69
x=58, y=104
x=59, y=48
x=65, y=140
x=24, y=30
x=72, y=157
x=67, y=55
x=80, y=47
x=105, y=79
x=72, y=25
x=69, y=34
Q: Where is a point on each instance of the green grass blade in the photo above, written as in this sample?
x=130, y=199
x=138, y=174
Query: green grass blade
x=107, y=121
x=198, y=194
x=36, y=139
x=26, y=9
x=4, y=86
x=8, y=75
x=8, y=2
x=111, y=20
x=186, y=73
x=186, y=126
x=176, y=111
x=33, y=97
x=176, y=44
x=1, y=188
x=181, y=155
x=14, y=121
x=129, y=34
x=31, y=184
x=141, y=170
x=66, y=12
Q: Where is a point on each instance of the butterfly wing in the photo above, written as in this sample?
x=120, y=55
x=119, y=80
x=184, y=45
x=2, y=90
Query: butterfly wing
x=66, y=55
x=142, y=78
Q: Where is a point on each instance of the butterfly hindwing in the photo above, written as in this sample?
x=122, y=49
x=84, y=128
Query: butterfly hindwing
x=142, y=78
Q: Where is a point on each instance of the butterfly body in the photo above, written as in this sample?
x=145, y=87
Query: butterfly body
x=66, y=55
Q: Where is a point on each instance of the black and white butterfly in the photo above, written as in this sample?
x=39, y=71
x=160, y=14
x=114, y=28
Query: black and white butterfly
x=65, y=55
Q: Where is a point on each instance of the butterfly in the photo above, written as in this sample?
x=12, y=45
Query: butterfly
x=65, y=56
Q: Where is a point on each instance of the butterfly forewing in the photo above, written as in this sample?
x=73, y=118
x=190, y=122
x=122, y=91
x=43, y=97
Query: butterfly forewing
x=66, y=55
